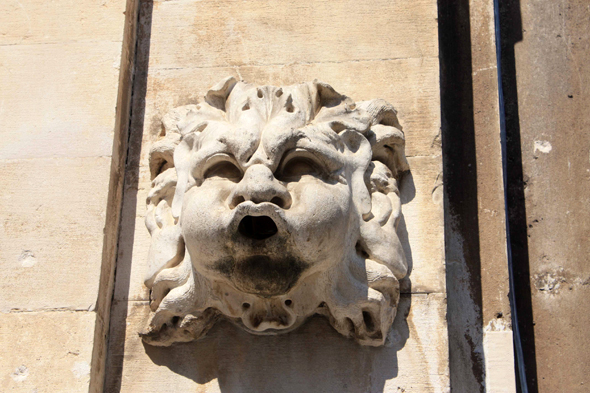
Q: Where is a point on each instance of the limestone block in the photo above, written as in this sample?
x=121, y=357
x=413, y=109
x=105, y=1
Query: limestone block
x=387, y=51
x=422, y=225
x=34, y=21
x=230, y=33
x=314, y=358
x=561, y=291
x=133, y=248
x=52, y=217
x=499, y=355
x=411, y=85
x=550, y=98
x=58, y=99
x=46, y=351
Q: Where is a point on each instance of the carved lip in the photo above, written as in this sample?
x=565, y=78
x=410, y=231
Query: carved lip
x=264, y=275
x=250, y=208
x=269, y=329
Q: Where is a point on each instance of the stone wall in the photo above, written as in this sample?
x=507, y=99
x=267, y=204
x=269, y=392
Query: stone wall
x=377, y=50
x=546, y=49
x=59, y=72
x=80, y=106
x=479, y=312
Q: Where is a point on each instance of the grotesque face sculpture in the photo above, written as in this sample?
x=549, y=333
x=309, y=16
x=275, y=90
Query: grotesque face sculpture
x=270, y=205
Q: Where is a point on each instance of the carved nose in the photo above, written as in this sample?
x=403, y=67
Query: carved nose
x=259, y=185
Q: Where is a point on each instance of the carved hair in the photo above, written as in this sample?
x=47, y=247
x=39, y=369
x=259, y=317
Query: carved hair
x=181, y=298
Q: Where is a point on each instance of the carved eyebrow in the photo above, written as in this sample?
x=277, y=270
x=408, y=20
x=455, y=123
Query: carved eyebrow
x=323, y=146
x=218, y=157
x=281, y=141
x=326, y=154
x=212, y=151
x=303, y=153
x=276, y=144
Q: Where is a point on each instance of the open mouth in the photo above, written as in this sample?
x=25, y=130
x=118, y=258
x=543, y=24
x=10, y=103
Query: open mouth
x=257, y=227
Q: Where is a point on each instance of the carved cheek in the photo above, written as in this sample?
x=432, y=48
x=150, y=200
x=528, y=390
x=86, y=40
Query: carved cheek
x=319, y=217
x=205, y=219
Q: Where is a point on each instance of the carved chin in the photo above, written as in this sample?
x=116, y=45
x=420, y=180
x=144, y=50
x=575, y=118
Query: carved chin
x=262, y=275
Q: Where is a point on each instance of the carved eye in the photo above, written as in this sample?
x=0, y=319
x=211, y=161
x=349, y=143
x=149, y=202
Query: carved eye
x=296, y=166
x=224, y=170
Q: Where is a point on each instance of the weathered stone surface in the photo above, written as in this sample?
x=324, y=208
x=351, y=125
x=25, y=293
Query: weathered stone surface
x=410, y=84
x=314, y=358
x=46, y=351
x=34, y=21
x=54, y=104
x=401, y=68
x=115, y=196
x=228, y=33
x=272, y=204
x=488, y=156
x=548, y=119
x=422, y=206
x=499, y=355
x=477, y=265
x=59, y=72
x=421, y=194
x=495, y=304
x=51, y=232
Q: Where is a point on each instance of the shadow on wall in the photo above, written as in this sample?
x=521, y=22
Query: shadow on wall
x=313, y=358
x=510, y=35
x=463, y=274
x=407, y=194
x=120, y=304
x=462, y=248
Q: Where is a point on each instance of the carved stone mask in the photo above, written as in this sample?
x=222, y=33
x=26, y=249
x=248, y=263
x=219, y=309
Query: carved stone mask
x=272, y=204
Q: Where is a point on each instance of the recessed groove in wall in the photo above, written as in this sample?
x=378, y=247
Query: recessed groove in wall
x=115, y=198
x=462, y=247
x=142, y=11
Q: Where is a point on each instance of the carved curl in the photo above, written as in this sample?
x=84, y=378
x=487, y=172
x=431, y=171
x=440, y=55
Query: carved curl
x=359, y=294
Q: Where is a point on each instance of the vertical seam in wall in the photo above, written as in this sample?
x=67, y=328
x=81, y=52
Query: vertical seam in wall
x=115, y=197
x=520, y=369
